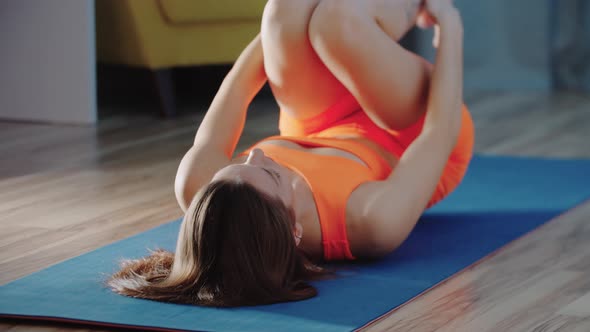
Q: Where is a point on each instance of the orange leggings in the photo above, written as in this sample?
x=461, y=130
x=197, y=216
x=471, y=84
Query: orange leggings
x=347, y=118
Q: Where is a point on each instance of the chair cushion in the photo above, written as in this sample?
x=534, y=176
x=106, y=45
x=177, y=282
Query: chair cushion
x=203, y=11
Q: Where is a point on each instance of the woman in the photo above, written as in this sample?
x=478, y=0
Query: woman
x=371, y=135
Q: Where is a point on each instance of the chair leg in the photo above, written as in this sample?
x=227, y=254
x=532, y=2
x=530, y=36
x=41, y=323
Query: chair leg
x=164, y=85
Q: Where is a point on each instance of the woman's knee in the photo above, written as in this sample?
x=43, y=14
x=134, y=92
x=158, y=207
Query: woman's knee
x=331, y=17
x=289, y=15
x=332, y=22
x=275, y=12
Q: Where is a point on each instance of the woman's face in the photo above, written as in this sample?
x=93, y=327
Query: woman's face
x=263, y=173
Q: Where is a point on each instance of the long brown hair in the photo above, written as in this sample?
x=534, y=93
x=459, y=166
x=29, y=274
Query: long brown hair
x=235, y=247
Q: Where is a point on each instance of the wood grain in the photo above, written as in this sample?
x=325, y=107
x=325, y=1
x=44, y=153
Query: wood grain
x=67, y=190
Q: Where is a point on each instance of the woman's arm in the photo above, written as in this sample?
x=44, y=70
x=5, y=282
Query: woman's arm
x=394, y=206
x=222, y=126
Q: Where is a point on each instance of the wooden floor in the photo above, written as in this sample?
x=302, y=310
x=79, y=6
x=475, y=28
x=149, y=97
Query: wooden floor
x=66, y=190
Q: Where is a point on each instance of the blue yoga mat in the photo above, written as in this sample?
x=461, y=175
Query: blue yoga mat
x=499, y=200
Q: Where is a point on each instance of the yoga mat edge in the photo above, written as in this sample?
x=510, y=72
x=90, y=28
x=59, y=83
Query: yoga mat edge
x=475, y=264
x=73, y=322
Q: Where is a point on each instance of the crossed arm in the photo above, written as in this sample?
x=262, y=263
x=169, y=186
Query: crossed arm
x=391, y=208
x=222, y=126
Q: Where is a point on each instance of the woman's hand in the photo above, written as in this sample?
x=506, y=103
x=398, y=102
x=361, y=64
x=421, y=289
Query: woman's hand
x=433, y=13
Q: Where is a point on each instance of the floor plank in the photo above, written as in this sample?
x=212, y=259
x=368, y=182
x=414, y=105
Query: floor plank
x=578, y=308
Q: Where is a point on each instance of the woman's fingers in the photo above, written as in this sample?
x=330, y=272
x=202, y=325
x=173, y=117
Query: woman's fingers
x=436, y=38
x=425, y=20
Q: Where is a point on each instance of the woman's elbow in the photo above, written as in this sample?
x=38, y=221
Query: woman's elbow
x=378, y=242
x=185, y=180
x=180, y=191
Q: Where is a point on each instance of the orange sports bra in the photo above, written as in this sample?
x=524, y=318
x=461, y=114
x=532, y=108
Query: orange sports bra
x=331, y=179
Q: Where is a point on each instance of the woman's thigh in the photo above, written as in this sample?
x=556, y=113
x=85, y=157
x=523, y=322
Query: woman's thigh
x=357, y=41
x=389, y=82
x=300, y=81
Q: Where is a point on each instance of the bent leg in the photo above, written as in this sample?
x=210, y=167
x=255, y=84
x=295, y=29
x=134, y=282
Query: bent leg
x=357, y=41
x=302, y=85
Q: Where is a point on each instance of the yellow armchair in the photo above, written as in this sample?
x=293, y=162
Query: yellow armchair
x=162, y=34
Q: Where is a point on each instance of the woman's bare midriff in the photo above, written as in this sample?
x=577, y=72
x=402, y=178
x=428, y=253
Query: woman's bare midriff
x=329, y=151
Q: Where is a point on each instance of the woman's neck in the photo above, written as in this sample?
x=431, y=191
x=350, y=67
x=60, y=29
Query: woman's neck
x=306, y=214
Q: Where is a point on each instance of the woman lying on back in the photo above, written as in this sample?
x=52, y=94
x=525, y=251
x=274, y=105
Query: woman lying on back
x=371, y=135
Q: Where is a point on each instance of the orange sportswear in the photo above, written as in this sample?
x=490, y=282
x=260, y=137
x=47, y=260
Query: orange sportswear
x=333, y=178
